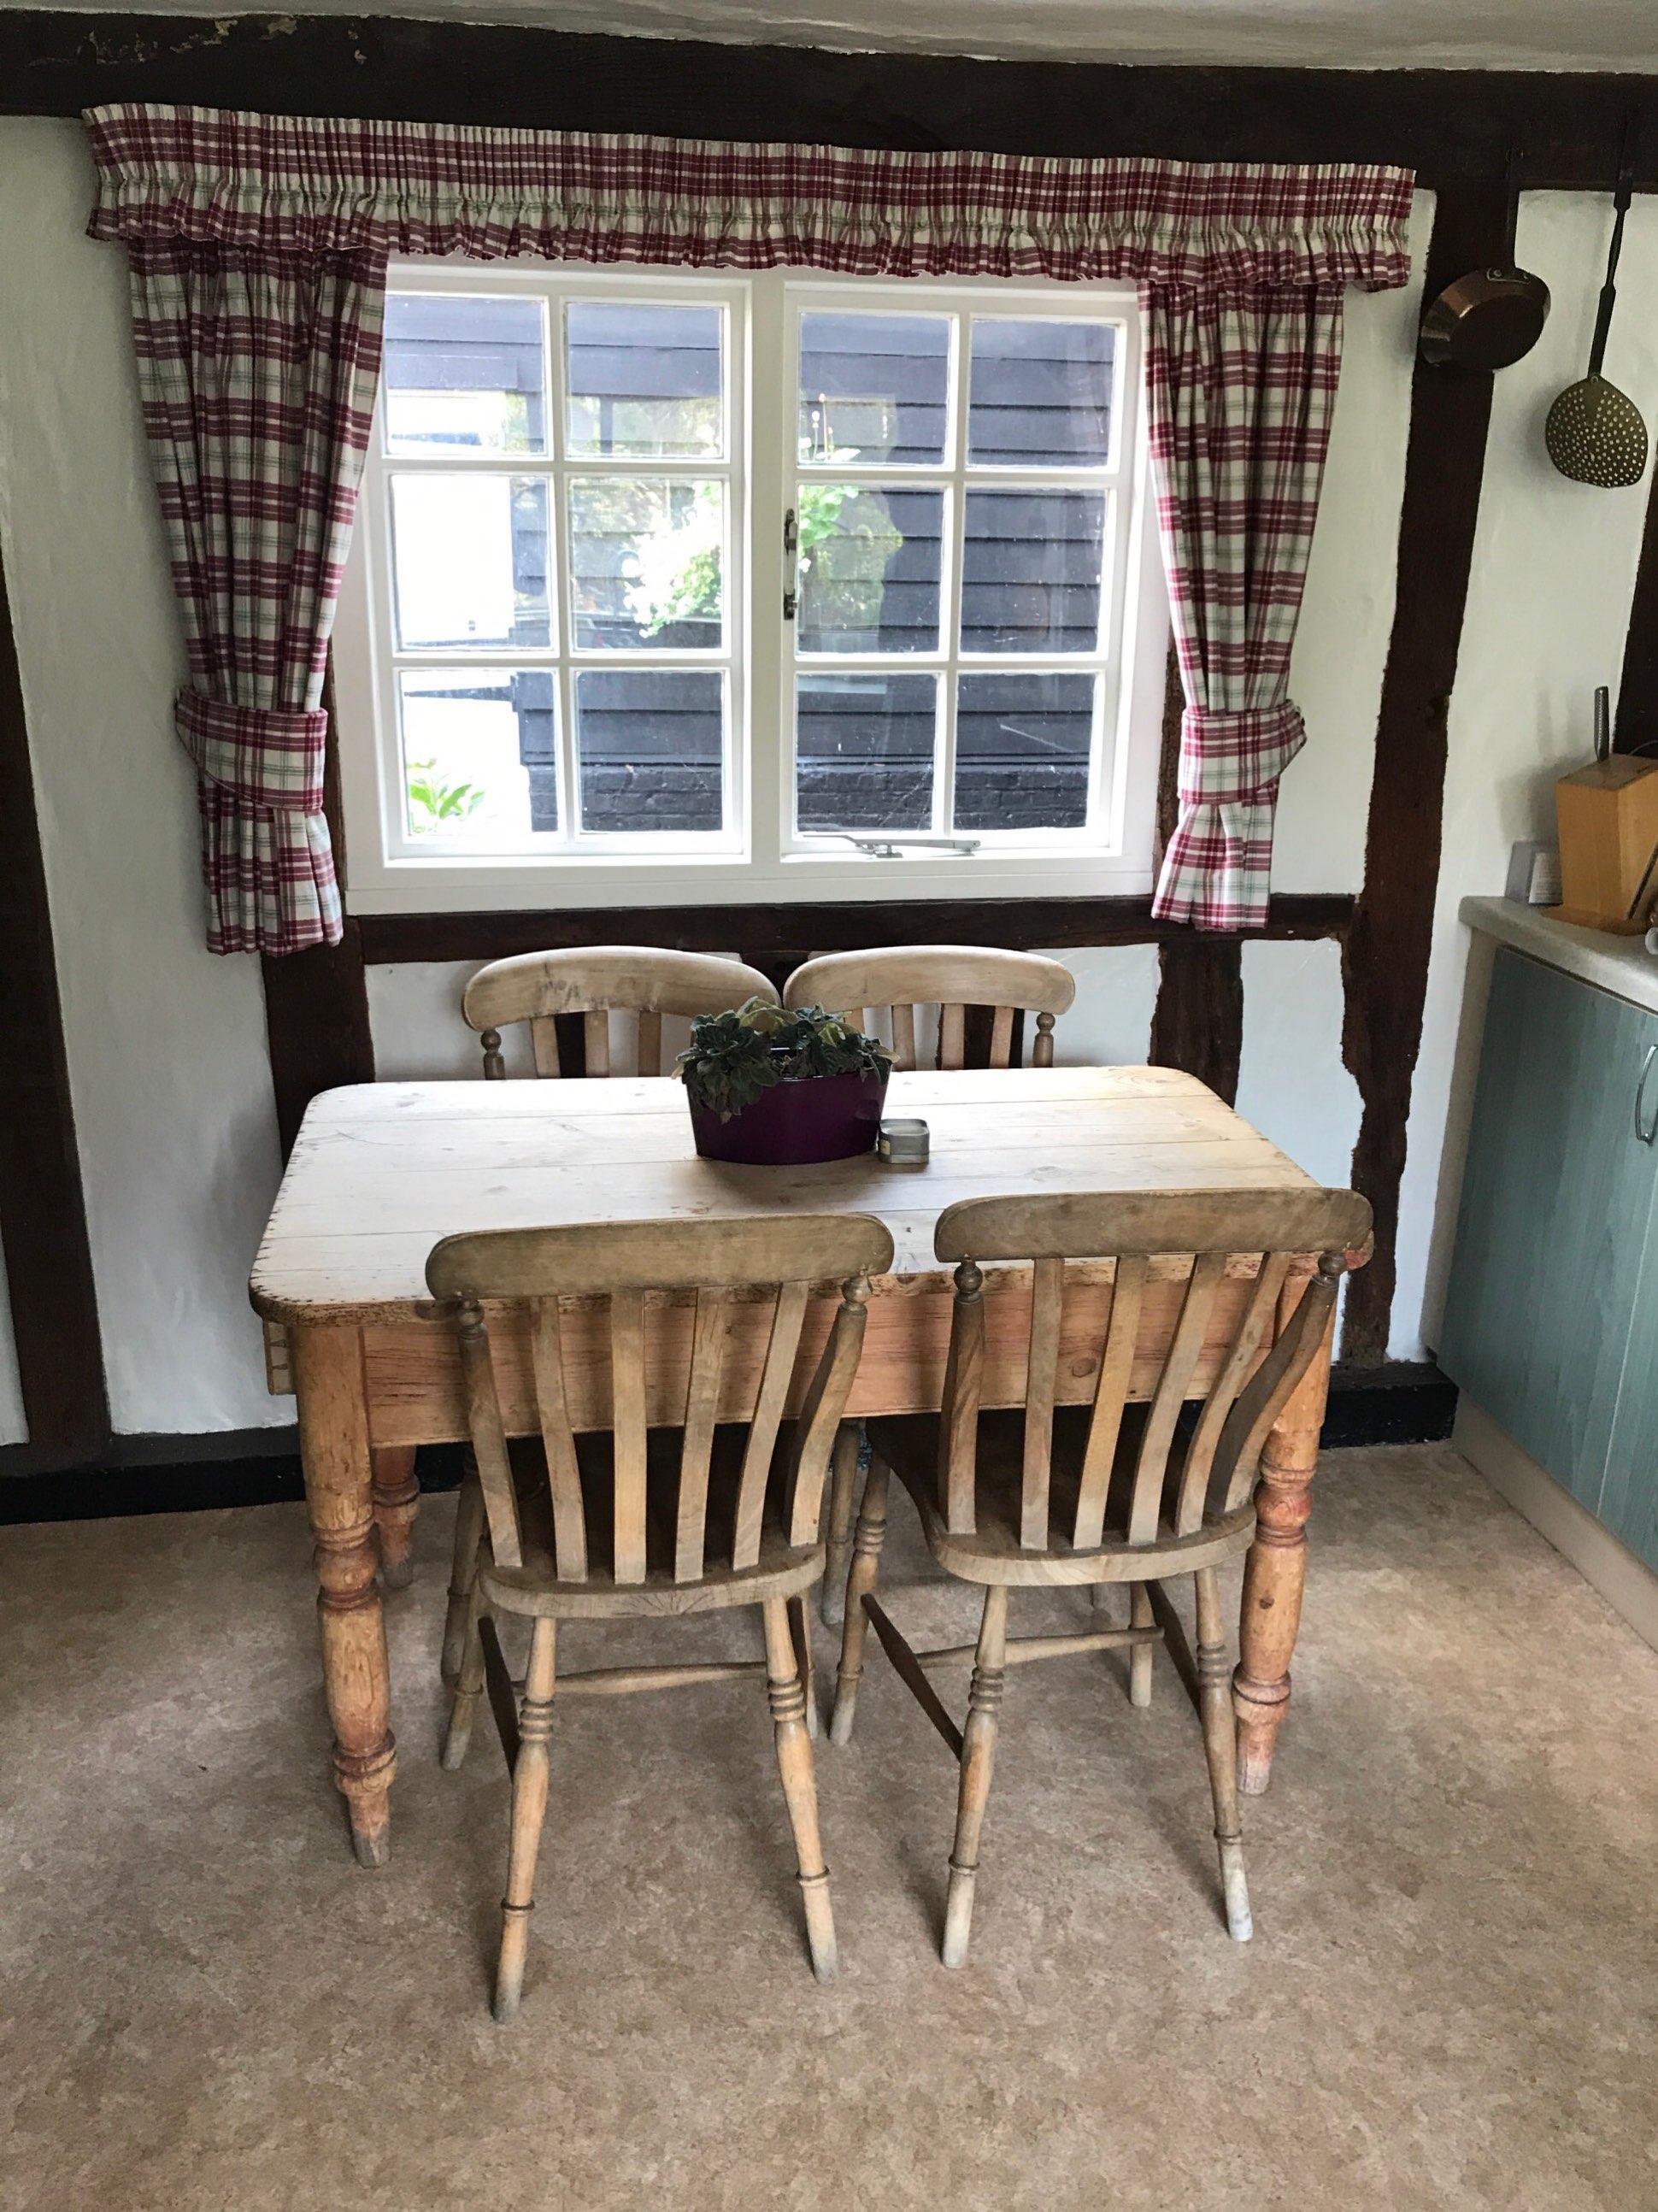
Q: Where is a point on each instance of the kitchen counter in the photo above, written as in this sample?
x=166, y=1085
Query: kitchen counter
x=1621, y=965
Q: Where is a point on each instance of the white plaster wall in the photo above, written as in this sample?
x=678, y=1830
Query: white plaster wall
x=167, y=1062
x=1548, y=607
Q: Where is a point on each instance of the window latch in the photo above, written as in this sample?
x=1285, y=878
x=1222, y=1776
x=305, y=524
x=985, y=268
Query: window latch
x=893, y=845
x=791, y=565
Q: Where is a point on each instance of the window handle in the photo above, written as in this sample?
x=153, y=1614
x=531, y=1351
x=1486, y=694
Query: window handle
x=1645, y=1130
x=791, y=565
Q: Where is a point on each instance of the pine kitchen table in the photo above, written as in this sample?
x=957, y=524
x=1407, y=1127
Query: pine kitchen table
x=382, y=1171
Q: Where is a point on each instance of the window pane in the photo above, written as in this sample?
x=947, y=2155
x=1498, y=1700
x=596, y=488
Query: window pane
x=647, y=562
x=873, y=387
x=1031, y=565
x=1022, y=751
x=471, y=755
x=864, y=751
x=643, y=380
x=1040, y=394
x=869, y=570
x=463, y=375
x=469, y=556
x=650, y=748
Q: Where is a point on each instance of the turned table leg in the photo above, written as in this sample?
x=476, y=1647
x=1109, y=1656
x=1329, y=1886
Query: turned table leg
x=397, y=1501
x=1275, y=1568
x=339, y=1496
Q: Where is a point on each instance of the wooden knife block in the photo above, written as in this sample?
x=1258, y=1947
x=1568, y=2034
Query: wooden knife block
x=1608, y=818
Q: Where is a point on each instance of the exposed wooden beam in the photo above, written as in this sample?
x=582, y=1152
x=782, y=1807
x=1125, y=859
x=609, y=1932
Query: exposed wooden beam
x=1638, y=692
x=1445, y=123
x=42, y=1223
x=765, y=935
x=1385, y=953
x=1196, y=1023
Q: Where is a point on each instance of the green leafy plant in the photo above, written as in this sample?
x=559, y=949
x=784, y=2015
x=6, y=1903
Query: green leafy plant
x=430, y=797
x=735, y=1057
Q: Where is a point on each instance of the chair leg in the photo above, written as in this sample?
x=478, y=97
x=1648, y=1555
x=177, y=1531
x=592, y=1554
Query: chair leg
x=984, y=1702
x=468, y=1535
x=800, y=1630
x=529, y=1777
x=794, y=1764
x=837, y=1542
x=1140, y=1655
x=865, y=1561
x=469, y=1682
x=1220, y=1745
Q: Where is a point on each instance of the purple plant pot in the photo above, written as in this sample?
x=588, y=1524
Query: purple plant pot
x=825, y=1117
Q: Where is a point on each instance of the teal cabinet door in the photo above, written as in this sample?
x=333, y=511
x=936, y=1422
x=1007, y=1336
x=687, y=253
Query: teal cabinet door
x=1629, y=1496
x=1556, y=1200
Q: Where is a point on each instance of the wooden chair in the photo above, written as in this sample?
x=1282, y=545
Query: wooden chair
x=895, y=980
x=636, y=1521
x=596, y=980
x=1098, y=1478
x=899, y=978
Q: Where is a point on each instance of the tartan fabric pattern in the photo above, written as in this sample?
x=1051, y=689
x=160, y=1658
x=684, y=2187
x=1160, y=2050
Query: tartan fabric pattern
x=258, y=247
x=1240, y=392
x=257, y=373
x=316, y=185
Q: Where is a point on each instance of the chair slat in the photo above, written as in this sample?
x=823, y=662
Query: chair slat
x=820, y=1422
x=1258, y=1317
x=649, y=1056
x=1042, y=1380
x=628, y=1429
x=768, y=1414
x=489, y=1438
x=1110, y=1395
x=904, y=1037
x=701, y=1409
x=1208, y=1271
x=952, y=1036
x=1259, y=1407
x=544, y=1038
x=596, y=1042
x=1001, y=1037
x=958, y=1424
x=563, y=1473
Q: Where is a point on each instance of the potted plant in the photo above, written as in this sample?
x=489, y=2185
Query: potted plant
x=775, y=1088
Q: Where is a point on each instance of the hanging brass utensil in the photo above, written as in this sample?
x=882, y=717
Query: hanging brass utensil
x=1595, y=433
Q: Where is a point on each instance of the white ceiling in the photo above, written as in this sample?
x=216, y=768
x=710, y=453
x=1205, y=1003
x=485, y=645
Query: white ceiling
x=1534, y=34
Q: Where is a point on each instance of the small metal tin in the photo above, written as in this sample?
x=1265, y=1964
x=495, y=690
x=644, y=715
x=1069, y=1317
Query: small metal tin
x=904, y=1144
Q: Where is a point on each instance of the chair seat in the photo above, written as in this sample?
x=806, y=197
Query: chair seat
x=992, y=1552
x=536, y=1587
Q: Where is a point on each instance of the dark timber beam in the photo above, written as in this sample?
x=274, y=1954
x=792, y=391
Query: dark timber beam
x=1385, y=954
x=1638, y=693
x=1445, y=123
x=42, y=1223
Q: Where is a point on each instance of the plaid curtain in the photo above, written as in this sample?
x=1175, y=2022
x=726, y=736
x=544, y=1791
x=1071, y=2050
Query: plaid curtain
x=257, y=370
x=1240, y=390
x=258, y=244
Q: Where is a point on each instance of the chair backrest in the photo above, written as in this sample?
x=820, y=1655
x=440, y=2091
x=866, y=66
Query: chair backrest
x=720, y=1261
x=1247, y=1392
x=593, y=981
x=898, y=978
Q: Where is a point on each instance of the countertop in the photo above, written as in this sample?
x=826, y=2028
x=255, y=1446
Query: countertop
x=1621, y=965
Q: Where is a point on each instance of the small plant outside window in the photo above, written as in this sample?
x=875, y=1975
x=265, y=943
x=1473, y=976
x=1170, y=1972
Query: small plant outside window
x=434, y=801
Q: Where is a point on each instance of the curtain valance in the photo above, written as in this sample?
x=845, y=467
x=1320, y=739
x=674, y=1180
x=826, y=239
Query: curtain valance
x=312, y=185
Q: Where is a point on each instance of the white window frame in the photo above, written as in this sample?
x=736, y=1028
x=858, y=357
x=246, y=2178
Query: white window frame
x=757, y=856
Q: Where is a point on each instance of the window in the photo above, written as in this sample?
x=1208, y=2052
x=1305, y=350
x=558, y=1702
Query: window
x=674, y=587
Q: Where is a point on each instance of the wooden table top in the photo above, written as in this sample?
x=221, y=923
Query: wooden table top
x=382, y=1171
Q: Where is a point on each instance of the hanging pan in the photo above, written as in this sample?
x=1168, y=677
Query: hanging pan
x=1595, y=433
x=1491, y=318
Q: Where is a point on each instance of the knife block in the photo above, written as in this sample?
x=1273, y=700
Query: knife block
x=1608, y=818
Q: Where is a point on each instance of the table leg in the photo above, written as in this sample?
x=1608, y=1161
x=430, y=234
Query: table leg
x=1275, y=1568
x=397, y=1501
x=328, y=1382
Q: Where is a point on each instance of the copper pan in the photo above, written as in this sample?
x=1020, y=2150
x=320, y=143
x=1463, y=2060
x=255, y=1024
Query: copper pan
x=1492, y=317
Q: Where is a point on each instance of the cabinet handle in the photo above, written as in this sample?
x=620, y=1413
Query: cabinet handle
x=1646, y=1131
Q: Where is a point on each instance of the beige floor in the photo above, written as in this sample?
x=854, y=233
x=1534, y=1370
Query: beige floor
x=1449, y=2000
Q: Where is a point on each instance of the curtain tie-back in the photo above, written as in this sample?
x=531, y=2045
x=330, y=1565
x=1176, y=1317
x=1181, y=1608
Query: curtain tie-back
x=259, y=756
x=1237, y=755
